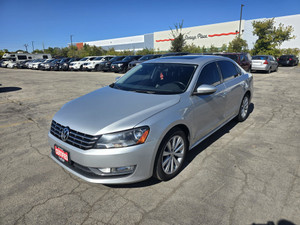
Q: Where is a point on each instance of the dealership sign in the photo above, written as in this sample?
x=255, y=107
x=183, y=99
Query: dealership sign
x=199, y=36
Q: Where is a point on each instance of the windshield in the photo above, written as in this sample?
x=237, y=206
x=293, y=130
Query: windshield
x=128, y=58
x=157, y=78
x=147, y=57
x=83, y=59
x=97, y=58
x=260, y=57
x=117, y=58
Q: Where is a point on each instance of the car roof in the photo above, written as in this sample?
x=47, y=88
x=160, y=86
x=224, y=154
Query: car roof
x=188, y=59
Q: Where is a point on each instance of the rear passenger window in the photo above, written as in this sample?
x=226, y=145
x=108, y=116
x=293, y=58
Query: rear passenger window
x=228, y=70
x=209, y=75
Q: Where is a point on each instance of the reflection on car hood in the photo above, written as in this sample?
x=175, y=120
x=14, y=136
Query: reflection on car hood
x=110, y=110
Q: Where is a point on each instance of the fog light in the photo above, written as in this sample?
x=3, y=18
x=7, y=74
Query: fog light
x=113, y=171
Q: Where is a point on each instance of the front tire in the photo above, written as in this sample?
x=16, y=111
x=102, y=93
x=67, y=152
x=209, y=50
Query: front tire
x=171, y=155
x=244, y=109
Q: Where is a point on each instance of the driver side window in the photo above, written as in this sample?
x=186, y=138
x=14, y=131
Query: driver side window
x=209, y=75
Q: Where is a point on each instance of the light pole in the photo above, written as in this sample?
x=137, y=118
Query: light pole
x=241, y=19
x=71, y=39
x=32, y=46
x=26, y=45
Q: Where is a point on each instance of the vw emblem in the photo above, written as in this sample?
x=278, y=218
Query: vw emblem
x=65, y=134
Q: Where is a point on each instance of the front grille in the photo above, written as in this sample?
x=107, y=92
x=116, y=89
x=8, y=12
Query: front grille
x=77, y=139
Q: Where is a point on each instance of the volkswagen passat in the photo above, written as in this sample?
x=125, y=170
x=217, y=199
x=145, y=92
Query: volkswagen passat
x=143, y=124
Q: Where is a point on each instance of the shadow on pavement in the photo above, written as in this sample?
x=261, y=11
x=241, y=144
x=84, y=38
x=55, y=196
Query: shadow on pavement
x=9, y=89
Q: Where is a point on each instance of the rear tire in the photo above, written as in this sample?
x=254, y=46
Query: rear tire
x=244, y=109
x=171, y=155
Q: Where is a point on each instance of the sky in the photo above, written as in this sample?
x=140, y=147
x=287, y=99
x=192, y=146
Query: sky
x=51, y=22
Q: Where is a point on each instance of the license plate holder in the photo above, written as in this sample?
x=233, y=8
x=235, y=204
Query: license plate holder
x=61, y=154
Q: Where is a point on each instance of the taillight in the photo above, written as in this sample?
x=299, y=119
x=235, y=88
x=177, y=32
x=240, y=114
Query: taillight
x=277, y=59
x=266, y=62
x=290, y=59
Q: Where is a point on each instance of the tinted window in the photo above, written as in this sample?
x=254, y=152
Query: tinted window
x=22, y=57
x=228, y=69
x=45, y=57
x=260, y=57
x=209, y=75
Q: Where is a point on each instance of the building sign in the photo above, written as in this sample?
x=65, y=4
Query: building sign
x=208, y=35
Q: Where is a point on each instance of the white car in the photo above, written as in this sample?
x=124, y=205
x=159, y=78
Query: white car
x=94, y=64
x=78, y=65
x=11, y=64
x=5, y=63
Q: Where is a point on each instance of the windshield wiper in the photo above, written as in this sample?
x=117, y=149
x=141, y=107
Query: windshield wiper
x=144, y=91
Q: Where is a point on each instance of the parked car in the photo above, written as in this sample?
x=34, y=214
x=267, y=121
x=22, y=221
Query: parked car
x=55, y=66
x=106, y=66
x=243, y=59
x=36, y=64
x=30, y=64
x=64, y=65
x=21, y=64
x=122, y=66
x=143, y=124
x=11, y=64
x=94, y=64
x=264, y=63
x=142, y=59
x=4, y=62
x=47, y=64
x=78, y=65
x=288, y=60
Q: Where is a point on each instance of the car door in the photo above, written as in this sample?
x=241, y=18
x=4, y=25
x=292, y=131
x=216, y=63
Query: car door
x=207, y=110
x=234, y=87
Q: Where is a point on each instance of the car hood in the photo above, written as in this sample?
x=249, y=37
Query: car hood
x=109, y=110
x=127, y=61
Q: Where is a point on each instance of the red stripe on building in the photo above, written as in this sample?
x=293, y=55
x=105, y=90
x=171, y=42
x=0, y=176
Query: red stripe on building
x=222, y=34
x=210, y=35
x=164, y=40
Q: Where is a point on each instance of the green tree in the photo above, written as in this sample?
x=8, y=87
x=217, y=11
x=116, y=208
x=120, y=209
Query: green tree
x=37, y=51
x=192, y=48
x=238, y=45
x=224, y=48
x=178, y=43
x=145, y=51
x=213, y=49
x=270, y=37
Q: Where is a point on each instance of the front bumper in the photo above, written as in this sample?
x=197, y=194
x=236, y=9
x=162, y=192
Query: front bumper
x=116, y=68
x=140, y=156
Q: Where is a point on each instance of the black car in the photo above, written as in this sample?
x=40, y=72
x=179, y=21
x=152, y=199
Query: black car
x=288, y=60
x=142, y=59
x=105, y=66
x=65, y=64
x=122, y=66
x=56, y=65
x=46, y=65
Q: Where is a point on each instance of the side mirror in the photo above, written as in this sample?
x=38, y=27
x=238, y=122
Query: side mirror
x=205, y=89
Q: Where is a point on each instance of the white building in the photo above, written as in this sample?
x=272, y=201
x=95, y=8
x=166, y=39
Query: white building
x=207, y=35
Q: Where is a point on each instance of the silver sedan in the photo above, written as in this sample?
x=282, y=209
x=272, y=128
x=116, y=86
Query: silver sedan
x=144, y=124
x=264, y=63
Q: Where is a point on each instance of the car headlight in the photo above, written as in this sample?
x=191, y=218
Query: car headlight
x=120, y=64
x=124, y=138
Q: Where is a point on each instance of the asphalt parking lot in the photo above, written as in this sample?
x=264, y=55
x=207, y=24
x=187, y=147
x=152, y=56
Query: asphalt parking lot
x=246, y=173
